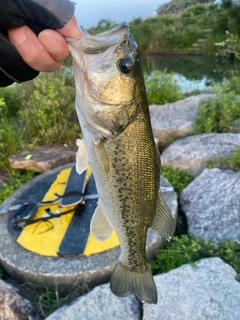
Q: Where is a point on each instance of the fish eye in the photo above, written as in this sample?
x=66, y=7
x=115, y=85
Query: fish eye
x=125, y=65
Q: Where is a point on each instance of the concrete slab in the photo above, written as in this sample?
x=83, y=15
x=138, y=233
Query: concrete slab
x=66, y=272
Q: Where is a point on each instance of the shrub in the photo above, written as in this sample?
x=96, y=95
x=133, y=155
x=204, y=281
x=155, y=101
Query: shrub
x=48, y=114
x=185, y=249
x=219, y=112
x=162, y=87
x=17, y=178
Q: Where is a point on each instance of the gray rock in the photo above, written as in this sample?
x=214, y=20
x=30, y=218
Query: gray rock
x=43, y=158
x=194, y=152
x=176, y=119
x=212, y=205
x=12, y=305
x=208, y=291
x=66, y=272
x=100, y=304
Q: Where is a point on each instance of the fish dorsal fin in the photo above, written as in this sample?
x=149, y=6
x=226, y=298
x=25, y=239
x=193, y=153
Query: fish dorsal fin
x=101, y=227
x=81, y=156
x=163, y=222
x=102, y=157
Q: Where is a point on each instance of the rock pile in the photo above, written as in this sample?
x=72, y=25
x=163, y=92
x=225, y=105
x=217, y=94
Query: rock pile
x=207, y=290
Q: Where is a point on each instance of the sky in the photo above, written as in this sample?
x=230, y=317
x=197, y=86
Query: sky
x=90, y=12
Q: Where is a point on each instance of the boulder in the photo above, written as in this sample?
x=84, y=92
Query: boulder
x=13, y=306
x=100, y=304
x=176, y=119
x=43, y=159
x=212, y=205
x=206, y=290
x=194, y=152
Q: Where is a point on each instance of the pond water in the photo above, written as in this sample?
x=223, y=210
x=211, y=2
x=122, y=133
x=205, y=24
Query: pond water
x=192, y=71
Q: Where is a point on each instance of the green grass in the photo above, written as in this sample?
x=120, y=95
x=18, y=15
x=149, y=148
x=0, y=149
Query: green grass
x=232, y=162
x=17, y=179
x=185, y=249
x=47, y=301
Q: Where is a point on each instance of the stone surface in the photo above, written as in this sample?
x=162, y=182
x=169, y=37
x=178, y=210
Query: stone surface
x=212, y=205
x=12, y=305
x=65, y=271
x=176, y=119
x=208, y=291
x=194, y=152
x=100, y=304
x=43, y=158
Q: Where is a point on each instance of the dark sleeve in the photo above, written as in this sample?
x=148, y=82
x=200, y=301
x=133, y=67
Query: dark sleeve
x=38, y=15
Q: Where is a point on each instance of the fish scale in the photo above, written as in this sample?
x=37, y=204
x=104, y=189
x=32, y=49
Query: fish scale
x=118, y=142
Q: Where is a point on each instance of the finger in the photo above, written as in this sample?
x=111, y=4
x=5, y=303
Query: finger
x=71, y=29
x=55, y=44
x=31, y=49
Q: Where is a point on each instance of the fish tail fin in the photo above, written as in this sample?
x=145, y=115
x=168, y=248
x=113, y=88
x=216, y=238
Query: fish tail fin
x=125, y=282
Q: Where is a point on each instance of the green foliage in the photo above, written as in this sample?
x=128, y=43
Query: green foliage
x=47, y=301
x=219, y=112
x=36, y=112
x=226, y=4
x=181, y=23
x=185, y=249
x=47, y=111
x=162, y=87
x=231, y=162
x=11, y=139
x=230, y=46
x=195, y=11
x=17, y=178
x=178, y=178
x=10, y=101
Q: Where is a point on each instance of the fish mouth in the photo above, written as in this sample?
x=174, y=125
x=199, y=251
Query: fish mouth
x=94, y=44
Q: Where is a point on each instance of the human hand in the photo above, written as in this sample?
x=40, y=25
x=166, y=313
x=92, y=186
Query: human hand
x=46, y=51
x=32, y=37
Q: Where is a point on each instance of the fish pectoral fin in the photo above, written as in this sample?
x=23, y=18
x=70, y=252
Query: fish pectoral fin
x=101, y=227
x=81, y=156
x=125, y=282
x=102, y=157
x=163, y=222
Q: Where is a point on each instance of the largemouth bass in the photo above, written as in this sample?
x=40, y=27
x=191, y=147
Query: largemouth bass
x=118, y=142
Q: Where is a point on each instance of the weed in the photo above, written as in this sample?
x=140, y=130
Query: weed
x=162, y=87
x=219, y=112
x=17, y=178
x=186, y=249
x=179, y=179
x=231, y=162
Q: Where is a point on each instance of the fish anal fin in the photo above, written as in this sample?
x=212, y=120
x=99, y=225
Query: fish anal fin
x=102, y=157
x=125, y=282
x=163, y=222
x=101, y=227
x=81, y=156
